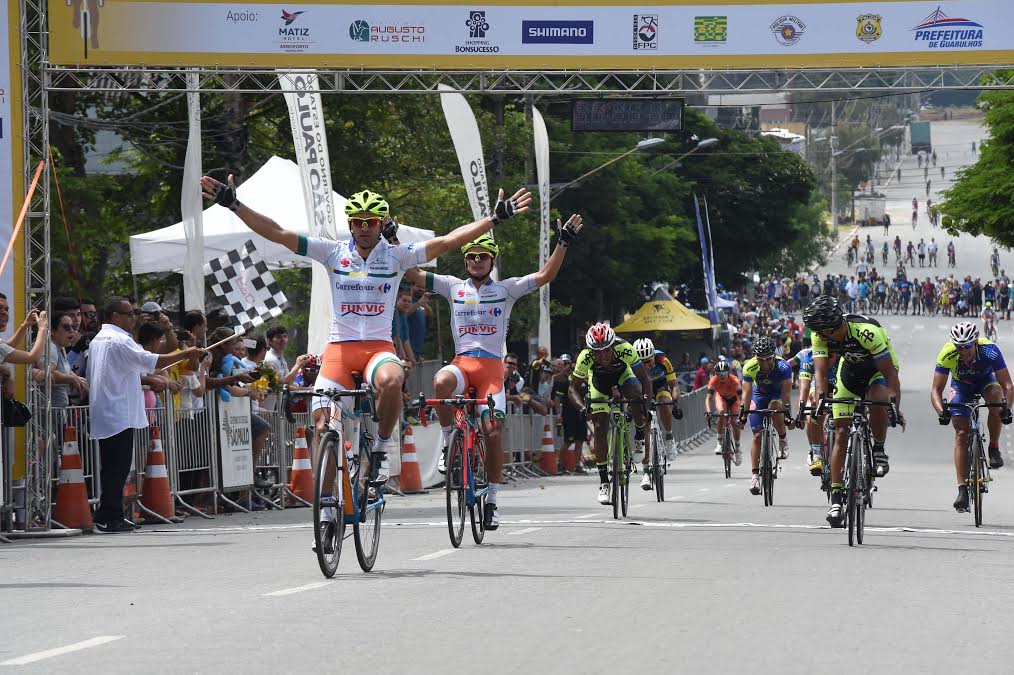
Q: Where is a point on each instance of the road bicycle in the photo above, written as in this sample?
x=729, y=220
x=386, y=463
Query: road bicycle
x=768, y=454
x=827, y=443
x=659, y=464
x=728, y=440
x=979, y=478
x=466, y=481
x=620, y=452
x=990, y=331
x=343, y=492
x=859, y=468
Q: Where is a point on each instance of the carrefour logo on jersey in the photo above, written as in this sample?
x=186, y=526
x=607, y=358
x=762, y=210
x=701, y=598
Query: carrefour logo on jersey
x=940, y=31
x=356, y=286
x=362, y=308
x=496, y=311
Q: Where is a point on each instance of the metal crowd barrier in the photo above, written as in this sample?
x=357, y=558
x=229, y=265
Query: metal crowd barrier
x=691, y=430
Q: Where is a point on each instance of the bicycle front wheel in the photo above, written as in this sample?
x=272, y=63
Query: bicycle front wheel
x=657, y=465
x=626, y=463
x=727, y=451
x=852, y=485
x=328, y=505
x=480, y=481
x=614, y=470
x=767, y=483
x=366, y=529
x=454, y=488
x=976, y=476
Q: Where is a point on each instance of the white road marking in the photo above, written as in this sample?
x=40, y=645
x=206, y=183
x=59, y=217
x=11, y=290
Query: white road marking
x=59, y=651
x=895, y=326
x=524, y=531
x=704, y=490
x=639, y=506
x=297, y=589
x=730, y=485
x=436, y=554
x=588, y=515
x=919, y=326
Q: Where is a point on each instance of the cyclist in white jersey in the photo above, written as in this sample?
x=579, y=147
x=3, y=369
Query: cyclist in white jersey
x=480, y=312
x=364, y=272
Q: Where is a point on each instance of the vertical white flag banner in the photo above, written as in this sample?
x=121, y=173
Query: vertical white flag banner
x=468, y=145
x=191, y=204
x=542, y=171
x=306, y=117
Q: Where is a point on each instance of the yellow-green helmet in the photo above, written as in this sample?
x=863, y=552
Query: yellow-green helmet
x=485, y=241
x=367, y=202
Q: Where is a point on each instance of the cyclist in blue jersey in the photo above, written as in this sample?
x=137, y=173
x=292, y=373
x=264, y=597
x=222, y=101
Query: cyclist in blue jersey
x=976, y=368
x=767, y=383
x=904, y=293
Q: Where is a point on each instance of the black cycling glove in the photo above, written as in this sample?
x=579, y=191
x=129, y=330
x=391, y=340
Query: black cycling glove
x=566, y=234
x=225, y=195
x=505, y=209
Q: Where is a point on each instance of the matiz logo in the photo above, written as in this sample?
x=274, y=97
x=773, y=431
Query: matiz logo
x=289, y=17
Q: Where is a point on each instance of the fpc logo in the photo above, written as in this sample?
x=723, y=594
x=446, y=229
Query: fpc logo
x=646, y=31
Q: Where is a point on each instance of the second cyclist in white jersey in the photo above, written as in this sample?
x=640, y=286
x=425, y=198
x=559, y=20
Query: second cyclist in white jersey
x=480, y=312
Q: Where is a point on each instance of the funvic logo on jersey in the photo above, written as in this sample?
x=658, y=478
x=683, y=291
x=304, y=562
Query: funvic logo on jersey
x=477, y=329
x=940, y=31
x=646, y=31
x=362, y=308
x=558, y=32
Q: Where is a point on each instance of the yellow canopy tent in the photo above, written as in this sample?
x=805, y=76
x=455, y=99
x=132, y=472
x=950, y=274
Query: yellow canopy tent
x=663, y=315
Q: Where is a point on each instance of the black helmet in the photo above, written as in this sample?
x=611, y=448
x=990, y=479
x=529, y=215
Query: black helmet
x=824, y=313
x=722, y=367
x=764, y=347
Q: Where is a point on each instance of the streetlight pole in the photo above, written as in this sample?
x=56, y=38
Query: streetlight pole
x=834, y=174
x=702, y=144
x=641, y=145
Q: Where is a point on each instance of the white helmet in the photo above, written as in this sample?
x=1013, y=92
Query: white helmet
x=645, y=348
x=964, y=332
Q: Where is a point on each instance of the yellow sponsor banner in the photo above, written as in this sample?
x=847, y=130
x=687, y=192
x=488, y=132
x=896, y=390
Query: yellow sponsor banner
x=537, y=34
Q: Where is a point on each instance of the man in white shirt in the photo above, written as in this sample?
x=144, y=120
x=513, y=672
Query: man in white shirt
x=115, y=366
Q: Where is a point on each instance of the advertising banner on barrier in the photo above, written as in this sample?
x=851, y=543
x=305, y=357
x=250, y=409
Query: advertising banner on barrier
x=235, y=443
x=567, y=34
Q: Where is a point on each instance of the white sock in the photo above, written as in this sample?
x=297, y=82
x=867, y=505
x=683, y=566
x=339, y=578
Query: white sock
x=491, y=495
x=815, y=450
x=445, y=434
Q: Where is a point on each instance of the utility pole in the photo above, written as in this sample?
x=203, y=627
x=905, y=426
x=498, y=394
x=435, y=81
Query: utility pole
x=834, y=172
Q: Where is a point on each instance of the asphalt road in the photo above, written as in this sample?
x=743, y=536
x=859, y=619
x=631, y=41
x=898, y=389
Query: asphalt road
x=709, y=582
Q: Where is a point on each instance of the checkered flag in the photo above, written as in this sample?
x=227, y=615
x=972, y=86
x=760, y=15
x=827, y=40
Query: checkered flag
x=248, y=292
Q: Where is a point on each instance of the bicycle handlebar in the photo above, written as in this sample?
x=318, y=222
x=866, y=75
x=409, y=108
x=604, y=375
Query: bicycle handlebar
x=458, y=402
x=893, y=416
x=334, y=395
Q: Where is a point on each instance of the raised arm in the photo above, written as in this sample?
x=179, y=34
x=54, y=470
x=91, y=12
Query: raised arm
x=504, y=210
x=567, y=234
x=225, y=195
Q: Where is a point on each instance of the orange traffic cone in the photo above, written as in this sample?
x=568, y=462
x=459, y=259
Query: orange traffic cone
x=568, y=457
x=155, y=494
x=411, y=478
x=301, y=475
x=130, y=491
x=72, y=497
x=547, y=459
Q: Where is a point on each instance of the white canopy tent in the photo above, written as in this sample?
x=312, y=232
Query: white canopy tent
x=275, y=190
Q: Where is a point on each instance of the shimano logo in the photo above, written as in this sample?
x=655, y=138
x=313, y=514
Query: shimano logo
x=558, y=32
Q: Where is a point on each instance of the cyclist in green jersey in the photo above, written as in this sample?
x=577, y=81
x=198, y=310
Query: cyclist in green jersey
x=606, y=363
x=867, y=368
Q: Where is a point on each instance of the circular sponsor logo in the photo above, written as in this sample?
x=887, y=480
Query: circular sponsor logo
x=359, y=31
x=788, y=30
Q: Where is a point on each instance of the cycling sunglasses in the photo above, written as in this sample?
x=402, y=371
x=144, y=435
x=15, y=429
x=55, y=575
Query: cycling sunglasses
x=965, y=345
x=477, y=257
x=363, y=223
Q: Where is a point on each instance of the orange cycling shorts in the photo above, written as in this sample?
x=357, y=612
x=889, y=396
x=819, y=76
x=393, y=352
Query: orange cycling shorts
x=486, y=375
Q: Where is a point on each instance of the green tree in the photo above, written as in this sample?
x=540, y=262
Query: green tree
x=979, y=201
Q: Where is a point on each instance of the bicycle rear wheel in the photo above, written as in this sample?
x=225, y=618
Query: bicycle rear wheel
x=975, y=469
x=657, y=465
x=329, y=533
x=366, y=530
x=480, y=481
x=454, y=489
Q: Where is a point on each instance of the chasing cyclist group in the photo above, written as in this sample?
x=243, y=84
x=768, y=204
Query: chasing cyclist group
x=850, y=356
